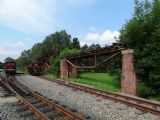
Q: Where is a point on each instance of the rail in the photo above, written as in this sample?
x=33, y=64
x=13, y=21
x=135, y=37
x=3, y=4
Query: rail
x=138, y=103
x=28, y=98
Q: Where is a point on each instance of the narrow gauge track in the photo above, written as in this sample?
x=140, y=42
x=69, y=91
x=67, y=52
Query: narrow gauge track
x=138, y=103
x=47, y=110
x=4, y=91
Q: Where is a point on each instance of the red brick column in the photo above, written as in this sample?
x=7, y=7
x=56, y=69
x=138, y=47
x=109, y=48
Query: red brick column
x=72, y=72
x=128, y=75
x=67, y=70
x=64, y=69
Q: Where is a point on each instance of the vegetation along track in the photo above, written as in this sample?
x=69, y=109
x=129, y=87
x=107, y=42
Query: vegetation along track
x=138, y=103
x=44, y=109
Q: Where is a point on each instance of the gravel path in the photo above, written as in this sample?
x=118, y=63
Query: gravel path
x=86, y=104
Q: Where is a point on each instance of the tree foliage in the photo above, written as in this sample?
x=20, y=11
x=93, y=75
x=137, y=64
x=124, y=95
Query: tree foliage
x=24, y=59
x=94, y=47
x=55, y=66
x=1, y=65
x=142, y=33
x=75, y=44
x=55, y=63
x=58, y=44
x=52, y=45
x=67, y=52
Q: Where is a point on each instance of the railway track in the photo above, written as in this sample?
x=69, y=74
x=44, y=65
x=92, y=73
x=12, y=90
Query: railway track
x=138, y=103
x=40, y=106
x=4, y=91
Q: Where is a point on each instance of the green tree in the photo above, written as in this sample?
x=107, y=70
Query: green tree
x=75, y=44
x=55, y=66
x=55, y=63
x=1, y=65
x=142, y=33
x=67, y=52
x=24, y=59
x=36, y=51
x=84, y=47
x=52, y=45
x=94, y=47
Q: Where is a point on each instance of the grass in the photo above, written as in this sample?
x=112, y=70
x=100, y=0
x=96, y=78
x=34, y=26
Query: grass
x=102, y=81
x=155, y=98
x=51, y=75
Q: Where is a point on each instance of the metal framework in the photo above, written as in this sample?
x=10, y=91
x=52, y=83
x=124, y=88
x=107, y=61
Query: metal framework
x=92, y=56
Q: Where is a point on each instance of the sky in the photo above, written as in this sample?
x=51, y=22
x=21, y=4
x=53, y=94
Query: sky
x=26, y=22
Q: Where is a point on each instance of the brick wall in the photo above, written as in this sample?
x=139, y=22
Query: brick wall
x=128, y=75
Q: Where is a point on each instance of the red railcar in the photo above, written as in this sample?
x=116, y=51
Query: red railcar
x=35, y=68
x=10, y=66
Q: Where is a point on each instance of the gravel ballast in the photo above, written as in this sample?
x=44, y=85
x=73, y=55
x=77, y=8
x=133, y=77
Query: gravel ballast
x=12, y=109
x=86, y=104
x=8, y=110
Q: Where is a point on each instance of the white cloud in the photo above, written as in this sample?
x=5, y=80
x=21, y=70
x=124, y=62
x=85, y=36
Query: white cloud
x=105, y=37
x=24, y=15
x=11, y=50
x=82, y=43
x=92, y=36
x=35, y=16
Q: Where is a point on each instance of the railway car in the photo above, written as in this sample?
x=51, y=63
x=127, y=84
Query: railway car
x=35, y=68
x=10, y=66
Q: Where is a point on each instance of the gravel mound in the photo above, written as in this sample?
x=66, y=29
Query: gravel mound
x=96, y=108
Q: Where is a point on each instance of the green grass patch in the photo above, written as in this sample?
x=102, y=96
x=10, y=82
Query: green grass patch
x=155, y=98
x=102, y=81
x=51, y=75
x=107, y=82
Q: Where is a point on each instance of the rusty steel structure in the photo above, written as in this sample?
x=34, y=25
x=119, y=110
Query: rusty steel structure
x=90, y=59
x=29, y=98
x=104, y=53
x=138, y=103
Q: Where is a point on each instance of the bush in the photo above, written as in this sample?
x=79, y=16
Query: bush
x=55, y=63
x=144, y=91
x=154, y=82
x=67, y=52
x=55, y=66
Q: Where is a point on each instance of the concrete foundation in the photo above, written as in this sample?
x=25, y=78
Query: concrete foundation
x=128, y=75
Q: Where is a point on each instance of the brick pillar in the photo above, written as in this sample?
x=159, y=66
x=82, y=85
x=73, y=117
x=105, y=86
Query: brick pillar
x=128, y=75
x=64, y=69
x=72, y=72
x=67, y=70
